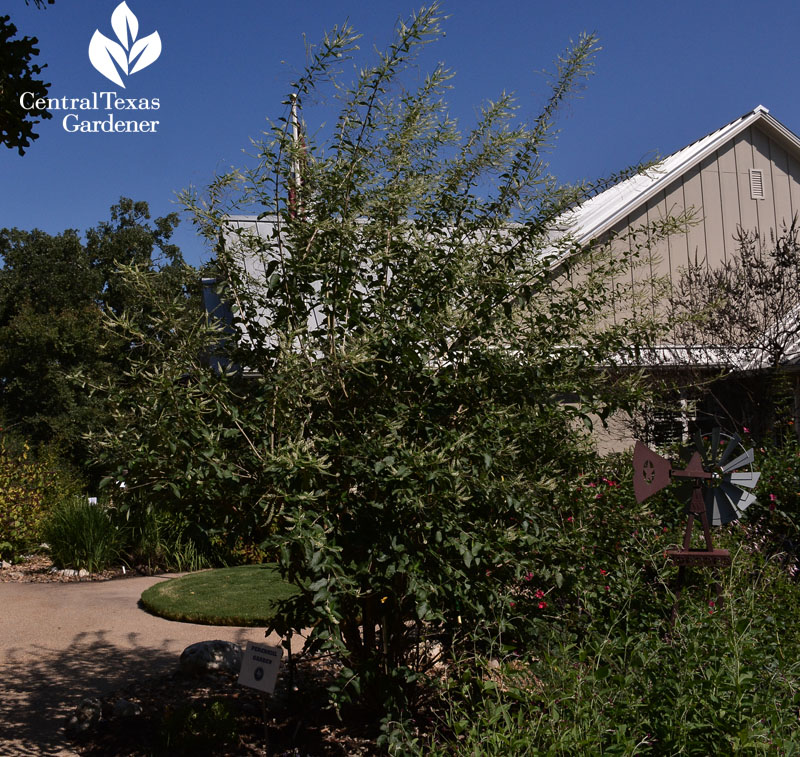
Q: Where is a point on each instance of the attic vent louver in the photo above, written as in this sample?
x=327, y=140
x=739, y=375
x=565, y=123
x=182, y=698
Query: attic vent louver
x=756, y=184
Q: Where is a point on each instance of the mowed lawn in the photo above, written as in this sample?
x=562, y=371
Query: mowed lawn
x=242, y=596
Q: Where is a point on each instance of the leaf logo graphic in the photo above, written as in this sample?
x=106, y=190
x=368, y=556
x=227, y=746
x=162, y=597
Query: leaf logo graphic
x=129, y=54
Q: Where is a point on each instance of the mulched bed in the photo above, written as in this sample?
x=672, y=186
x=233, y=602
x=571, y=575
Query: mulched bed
x=40, y=569
x=215, y=716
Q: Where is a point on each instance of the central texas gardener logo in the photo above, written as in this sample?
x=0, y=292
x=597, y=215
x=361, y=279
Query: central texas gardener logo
x=127, y=56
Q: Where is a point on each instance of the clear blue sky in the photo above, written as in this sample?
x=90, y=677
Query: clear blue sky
x=668, y=74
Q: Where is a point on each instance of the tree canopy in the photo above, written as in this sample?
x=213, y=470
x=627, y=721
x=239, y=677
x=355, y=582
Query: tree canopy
x=18, y=74
x=54, y=290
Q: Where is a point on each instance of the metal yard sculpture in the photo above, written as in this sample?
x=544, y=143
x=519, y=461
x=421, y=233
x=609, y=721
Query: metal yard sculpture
x=722, y=475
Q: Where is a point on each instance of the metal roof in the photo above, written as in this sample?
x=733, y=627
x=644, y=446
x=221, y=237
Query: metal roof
x=599, y=214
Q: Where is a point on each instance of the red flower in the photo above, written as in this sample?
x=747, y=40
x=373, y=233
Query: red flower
x=569, y=520
x=542, y=605
x=603, y=572
x=539, y=594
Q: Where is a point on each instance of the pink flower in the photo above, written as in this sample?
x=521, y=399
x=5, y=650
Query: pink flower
x=711, y=603
x=608, y=588
x=745, y=429
x=539, y=594
x=512, y=603
x=528, y=576
x=603, y=572
x=569, y=519
x=542, y=605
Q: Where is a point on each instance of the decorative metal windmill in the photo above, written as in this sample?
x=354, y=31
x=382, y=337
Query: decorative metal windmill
x=719, y=470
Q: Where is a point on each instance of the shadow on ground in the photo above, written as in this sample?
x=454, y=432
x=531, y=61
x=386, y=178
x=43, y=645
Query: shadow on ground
x=39, y=694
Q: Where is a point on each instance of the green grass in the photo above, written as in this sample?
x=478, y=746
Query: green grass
x=240, y=596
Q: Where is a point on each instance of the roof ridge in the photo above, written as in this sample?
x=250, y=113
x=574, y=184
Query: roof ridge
x=599, y=213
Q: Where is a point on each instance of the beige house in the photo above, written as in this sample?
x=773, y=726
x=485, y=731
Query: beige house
x=744, y=176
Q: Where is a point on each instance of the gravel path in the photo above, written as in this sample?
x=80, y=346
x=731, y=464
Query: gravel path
x=61, y=642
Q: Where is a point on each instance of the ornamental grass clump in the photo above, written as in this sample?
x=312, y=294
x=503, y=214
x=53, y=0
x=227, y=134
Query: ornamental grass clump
x=82, y=534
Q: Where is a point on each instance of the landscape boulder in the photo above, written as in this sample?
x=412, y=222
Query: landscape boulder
x=211, y=657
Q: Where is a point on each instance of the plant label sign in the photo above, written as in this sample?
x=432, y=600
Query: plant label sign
x=260, y=666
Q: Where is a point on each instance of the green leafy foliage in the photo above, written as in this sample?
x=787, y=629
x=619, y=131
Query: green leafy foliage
x=185, y=439
x=54, y=291
x=722, y=680
x=29, y=486
x=157, y=540
x=203, y=728
x=601, y=670
x=425, y=363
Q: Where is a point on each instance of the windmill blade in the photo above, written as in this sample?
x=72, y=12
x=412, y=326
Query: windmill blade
x=733, y=443
x=740, y=461
x=740, y=500
x=699, y=446
x=718, y=508
x=743, y=478
x=714, y=444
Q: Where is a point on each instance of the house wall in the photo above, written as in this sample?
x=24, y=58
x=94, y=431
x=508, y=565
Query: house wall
x=718, y=192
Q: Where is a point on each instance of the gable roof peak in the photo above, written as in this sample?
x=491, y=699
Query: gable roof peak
x=601, y=212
